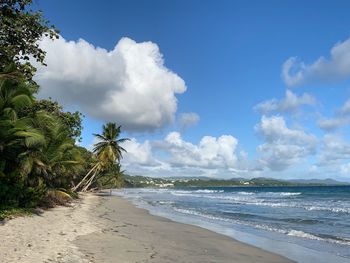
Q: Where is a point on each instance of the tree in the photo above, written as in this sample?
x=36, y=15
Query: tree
x=51, y=155
x=72, y=120
x=107, y=151
x=37, y=152
x=108, y=148
x=38, y=156
x=112, y=178
x=14, y=96
x=20, y=30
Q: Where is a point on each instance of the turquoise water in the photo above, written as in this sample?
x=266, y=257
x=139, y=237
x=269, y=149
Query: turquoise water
x=307, y=224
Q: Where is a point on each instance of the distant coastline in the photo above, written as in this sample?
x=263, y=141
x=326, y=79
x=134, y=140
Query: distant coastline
x=144, y=181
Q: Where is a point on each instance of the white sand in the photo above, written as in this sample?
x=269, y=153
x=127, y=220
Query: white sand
x=48, y=237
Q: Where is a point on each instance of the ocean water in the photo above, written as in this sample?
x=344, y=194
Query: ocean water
x=306, y=224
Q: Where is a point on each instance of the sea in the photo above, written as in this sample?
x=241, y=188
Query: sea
x=305, y=224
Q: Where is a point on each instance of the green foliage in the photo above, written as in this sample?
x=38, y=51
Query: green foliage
x=107, y=151
x=72, y=120
x=108, y=148
x=37, y=151
x=38, y=154
x=111, y=178
x=20, y=30
x=143, y=181
x=39, y=161
x=12, y=212
x=54, y=197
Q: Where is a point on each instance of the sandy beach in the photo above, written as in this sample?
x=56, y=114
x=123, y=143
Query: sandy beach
x=111, y=229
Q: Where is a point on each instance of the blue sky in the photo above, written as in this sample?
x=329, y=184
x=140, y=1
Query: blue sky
x=231, y=56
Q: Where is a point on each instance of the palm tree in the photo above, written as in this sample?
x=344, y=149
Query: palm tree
x=107, y=150
x=14, y=96
x=50, y=154
x=113, y=177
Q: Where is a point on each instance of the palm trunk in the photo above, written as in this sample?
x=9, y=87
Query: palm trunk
x=86, y=176
x=88, y=183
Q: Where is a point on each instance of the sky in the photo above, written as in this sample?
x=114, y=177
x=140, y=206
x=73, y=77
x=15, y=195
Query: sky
x=208, y=88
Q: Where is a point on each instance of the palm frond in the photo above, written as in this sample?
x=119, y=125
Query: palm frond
x=32, y=138
x=21, y=101
x=101, y=137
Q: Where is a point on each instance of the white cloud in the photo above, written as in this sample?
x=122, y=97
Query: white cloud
x=333, y=158
x=139, y=153
x=345, y=109
x=295, y=73
x=332, y=123
x=188, y=119
x=129, y=84
x=340, y=119
x=345, y=169
x=211, y=152
x=334, y=150
x=283, y=146
x=285, y=150
x=212, y=156
x=290, y=103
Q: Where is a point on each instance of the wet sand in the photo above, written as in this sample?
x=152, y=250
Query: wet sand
x=105, y=229
x=131, y=234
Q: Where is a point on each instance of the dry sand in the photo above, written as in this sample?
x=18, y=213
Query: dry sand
x=48, y=237
x=111, y=229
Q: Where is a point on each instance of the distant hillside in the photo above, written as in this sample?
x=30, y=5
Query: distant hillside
x=205, y=178
x=327, y=181
x=142, y=181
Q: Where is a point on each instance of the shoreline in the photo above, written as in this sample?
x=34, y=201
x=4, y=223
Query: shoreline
x=132, y=234
x=112, y=229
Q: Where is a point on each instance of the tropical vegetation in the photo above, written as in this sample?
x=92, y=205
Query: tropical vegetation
x=107, y=151
x=40, y=161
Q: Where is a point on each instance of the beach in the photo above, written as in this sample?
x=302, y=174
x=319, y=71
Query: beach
x=48, y=237
x=111, y=229
x=305, y=224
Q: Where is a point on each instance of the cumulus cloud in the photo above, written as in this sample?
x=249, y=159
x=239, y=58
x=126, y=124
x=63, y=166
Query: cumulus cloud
x=340, y=119
x=345, y=109
x=290, y=103
x=345, y=169
x=188, y=119
x=139, y=153
x=212, y=156
x=211, y=152
x=331, y=124
x=334, y=150
x=283, y=146
x=129, y=84
x=337, y=67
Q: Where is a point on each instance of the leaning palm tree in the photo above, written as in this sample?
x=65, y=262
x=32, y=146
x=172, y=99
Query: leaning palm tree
x=108, y=148
x=107, y=151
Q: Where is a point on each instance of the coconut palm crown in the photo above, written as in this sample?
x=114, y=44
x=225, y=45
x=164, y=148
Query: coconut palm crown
x=108, y=148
